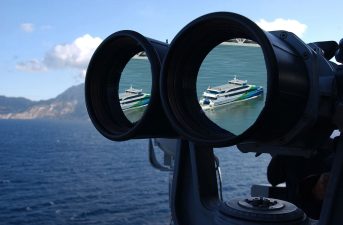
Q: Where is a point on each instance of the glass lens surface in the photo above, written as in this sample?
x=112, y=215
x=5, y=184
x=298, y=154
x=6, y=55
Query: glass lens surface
x=135, y=87
x=232, y=84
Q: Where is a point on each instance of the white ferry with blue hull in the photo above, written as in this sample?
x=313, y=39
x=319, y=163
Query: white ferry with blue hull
x=234, y=91
x=133, y=98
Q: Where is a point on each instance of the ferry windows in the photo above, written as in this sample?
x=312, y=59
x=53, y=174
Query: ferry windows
x=135, y=87
x=232, y=84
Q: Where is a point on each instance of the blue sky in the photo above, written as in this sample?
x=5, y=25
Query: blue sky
x=46, y=45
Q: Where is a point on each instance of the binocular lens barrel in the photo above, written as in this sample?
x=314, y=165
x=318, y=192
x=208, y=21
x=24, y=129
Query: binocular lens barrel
x=223, y=80
x=256, y=80
x=122, y=87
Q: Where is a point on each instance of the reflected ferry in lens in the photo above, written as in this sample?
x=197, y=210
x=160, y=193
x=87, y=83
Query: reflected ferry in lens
x=234, y=91
x=241, y=42
x=140, y=55
x=133, y=98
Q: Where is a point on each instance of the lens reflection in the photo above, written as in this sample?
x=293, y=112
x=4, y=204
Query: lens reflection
x=232, y=84
x=135, y=87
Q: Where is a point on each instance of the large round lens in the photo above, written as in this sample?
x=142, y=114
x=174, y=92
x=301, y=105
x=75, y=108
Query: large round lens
x=232, y=84
x=122, y=87
x=135, y=87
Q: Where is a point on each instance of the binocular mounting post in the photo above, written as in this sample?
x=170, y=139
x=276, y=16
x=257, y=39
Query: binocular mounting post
x=195, y=199
x=333, y=202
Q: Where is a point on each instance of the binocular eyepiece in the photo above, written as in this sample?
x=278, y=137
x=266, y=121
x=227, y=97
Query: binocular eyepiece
x=221, y=81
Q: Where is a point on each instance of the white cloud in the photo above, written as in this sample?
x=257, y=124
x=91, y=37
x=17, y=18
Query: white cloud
x=32, y=65
x=27, y=27
x=283, y=24
x=75, y=55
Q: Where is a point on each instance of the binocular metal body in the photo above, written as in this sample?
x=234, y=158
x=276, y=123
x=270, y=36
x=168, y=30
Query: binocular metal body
x=291, y=104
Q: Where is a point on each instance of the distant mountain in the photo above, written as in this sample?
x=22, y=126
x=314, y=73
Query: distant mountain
x=13, y=105
x=68, y=105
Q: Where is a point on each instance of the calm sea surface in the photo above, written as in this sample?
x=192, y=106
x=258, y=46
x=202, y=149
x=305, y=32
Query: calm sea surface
x=55, y=172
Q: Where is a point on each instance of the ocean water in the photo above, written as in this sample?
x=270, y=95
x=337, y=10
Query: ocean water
x=64, y=172
x=224, y=63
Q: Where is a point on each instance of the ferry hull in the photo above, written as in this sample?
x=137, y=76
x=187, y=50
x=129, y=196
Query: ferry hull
x=135, y=105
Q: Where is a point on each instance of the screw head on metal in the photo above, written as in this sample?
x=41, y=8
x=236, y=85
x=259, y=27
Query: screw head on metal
x=283, y=35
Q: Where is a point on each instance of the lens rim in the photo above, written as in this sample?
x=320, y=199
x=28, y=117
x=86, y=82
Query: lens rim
x=189, y=48
x=102, y=83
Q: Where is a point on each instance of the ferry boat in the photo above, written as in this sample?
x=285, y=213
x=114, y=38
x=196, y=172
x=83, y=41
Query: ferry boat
x=234, y=91
x=140, y=55
x=133, y=98
x=241, y=42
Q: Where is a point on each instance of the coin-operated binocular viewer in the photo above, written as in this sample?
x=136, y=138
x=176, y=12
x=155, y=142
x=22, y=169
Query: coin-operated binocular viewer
x=223, y=81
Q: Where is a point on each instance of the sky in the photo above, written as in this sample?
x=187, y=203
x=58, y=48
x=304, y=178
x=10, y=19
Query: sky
x=46, y=45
